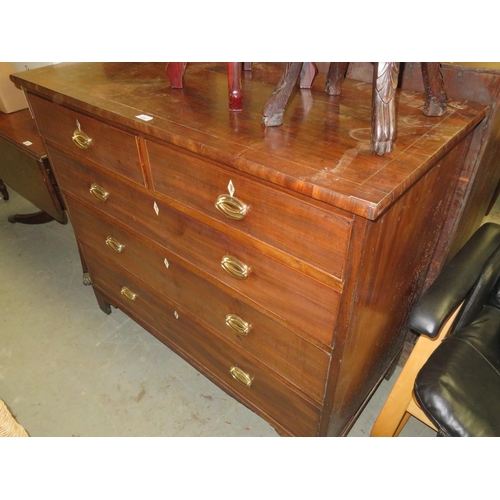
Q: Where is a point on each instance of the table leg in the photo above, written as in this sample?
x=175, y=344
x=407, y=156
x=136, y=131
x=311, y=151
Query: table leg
x=234, y=85
x=307, y=74
x=3, y=190
x=175, y=74
x=385, y=82
x=435, y=95
x=35, y=218
x=274, y=108
x=336, y=75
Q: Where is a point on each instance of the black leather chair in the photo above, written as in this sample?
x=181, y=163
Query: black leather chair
x=451, y=380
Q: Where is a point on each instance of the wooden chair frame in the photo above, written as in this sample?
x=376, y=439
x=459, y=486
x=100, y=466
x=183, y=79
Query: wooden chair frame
x=400, y=404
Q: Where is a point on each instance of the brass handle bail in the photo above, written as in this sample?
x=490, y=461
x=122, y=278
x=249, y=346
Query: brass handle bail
x=235, y=267
x=81, y=139
x=99, y=192
x=114, y=244
x=241, y=376
x=239, y=325
x=231, y=207
x=128, y=294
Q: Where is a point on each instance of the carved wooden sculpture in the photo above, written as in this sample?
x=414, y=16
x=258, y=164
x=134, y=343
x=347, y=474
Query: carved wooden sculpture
x=385, y=81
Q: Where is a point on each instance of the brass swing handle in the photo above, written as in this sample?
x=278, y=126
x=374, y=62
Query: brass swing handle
x=114, y=244
x=81, y=139
x=234, y=267
x=99, y=192
x=128, y=294
x=231, y=207
x=239, y=325
x=241, y=376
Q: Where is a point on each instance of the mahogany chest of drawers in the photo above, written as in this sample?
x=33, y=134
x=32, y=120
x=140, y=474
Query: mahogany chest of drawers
x=281, y=263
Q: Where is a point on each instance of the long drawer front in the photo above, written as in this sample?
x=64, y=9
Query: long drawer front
x=314, y=235
x=226, y=364
x=302, y=304
x=294, y=358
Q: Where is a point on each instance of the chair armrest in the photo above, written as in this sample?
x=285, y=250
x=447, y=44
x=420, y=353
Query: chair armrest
x=454, y=282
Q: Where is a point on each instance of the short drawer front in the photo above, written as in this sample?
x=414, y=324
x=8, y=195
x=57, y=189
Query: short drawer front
x=226, y=364
x=112, y=148
x=286, y=353
x=316, y=236
x=302, y=304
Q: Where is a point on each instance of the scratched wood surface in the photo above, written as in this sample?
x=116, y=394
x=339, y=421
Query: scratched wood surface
x=322, y=149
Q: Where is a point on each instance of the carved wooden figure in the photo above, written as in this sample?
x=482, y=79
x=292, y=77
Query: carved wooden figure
x=385, y=81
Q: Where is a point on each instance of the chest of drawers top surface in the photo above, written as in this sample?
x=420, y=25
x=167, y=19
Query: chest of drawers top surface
x=328, y=159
